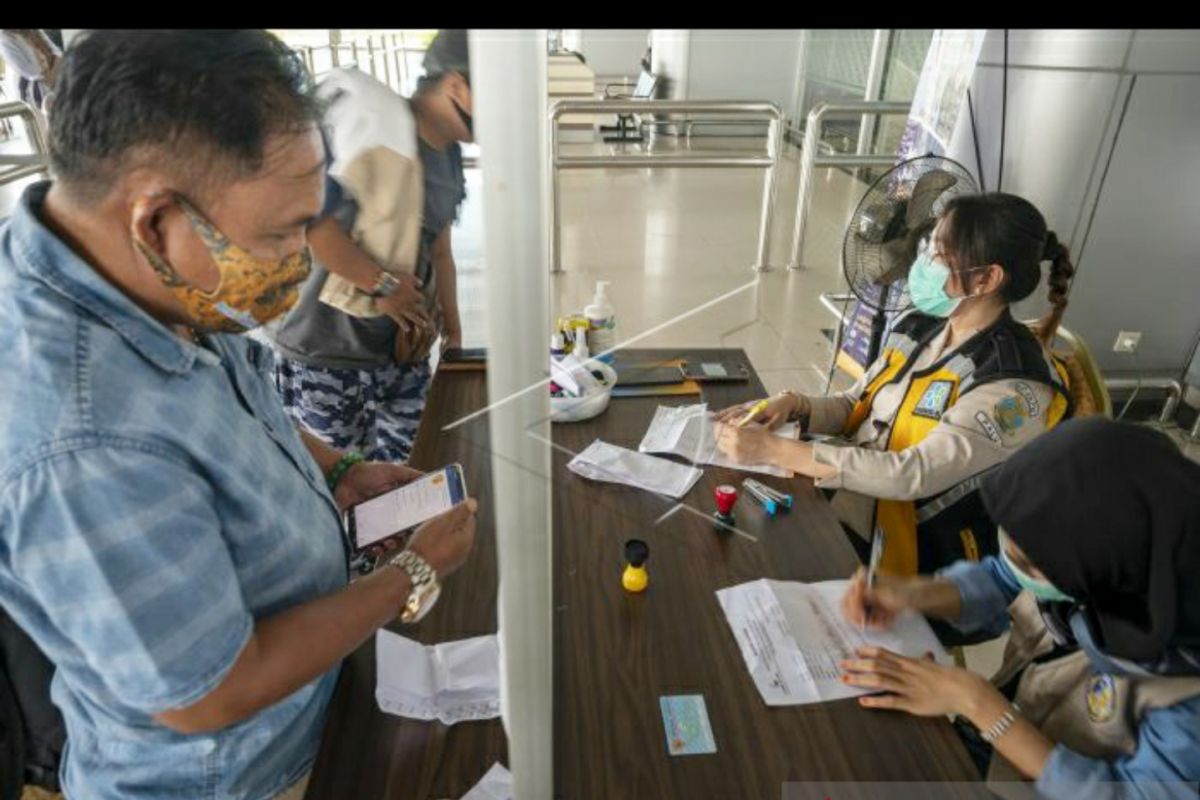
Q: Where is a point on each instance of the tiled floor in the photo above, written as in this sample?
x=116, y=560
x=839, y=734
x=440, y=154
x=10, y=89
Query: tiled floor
x=671, y=240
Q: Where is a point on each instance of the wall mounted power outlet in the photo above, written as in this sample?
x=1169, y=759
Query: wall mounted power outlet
x=1127, y=341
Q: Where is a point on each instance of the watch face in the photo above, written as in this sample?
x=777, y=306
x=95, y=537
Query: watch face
x=420, y=601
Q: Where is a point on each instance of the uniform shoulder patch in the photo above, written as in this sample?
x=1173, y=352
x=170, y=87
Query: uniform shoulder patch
x=1010, y=413
x=989, y=427
x=1101, y=695
x=1026, y=392
x=934, y=401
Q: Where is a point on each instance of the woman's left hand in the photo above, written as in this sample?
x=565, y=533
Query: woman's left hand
x=918, y=686
x=754, y=444
x=368, y=479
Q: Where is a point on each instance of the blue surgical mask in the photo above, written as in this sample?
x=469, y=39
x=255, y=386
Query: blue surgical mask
x=927, y=287
x=1042, y=590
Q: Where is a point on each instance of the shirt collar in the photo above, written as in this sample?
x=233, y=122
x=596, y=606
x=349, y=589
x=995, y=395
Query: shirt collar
x=44, y=257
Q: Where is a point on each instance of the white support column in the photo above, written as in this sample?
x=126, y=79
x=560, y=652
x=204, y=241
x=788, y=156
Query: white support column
x=508, y=76
x=874, y=88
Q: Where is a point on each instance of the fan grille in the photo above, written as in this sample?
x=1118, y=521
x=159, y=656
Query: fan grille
x=879, y=228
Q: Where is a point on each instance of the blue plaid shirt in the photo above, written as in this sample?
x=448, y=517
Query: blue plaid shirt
x=154, y=502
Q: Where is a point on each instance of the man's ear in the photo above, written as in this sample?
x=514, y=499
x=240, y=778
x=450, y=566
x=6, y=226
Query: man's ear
x=146, y=212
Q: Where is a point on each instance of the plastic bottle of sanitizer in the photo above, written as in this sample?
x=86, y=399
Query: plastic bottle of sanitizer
x=602, y=322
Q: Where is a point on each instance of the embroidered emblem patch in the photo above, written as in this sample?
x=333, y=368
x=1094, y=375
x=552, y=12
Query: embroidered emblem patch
x=1101, y=693
x=933, y=403
x=988, y=426
x=1010, y=413
x=1029, y=397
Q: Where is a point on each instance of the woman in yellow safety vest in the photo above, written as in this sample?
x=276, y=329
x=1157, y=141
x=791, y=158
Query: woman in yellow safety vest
x=959, y=387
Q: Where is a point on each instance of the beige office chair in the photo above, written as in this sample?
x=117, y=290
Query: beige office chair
x=1079, y=360
x=1085, y=382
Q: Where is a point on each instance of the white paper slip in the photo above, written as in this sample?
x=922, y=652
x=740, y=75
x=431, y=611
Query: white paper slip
x=792, y=636
x=606, y=462
x=451, y=682
x=690, y=432
x=496, y=784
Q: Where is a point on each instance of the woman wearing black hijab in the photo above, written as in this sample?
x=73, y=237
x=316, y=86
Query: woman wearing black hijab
x=1100, y=563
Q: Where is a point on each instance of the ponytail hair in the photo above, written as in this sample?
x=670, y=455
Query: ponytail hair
x=1059, y=281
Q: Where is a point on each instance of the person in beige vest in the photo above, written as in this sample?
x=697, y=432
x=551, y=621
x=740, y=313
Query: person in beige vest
x=353, y=356
x=1099, y=692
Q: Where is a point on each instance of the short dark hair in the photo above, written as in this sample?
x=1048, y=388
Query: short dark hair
x=448, y=52
x=201, y=104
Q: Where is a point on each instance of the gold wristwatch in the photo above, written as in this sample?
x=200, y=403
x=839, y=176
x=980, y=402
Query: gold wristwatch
x=425, y=586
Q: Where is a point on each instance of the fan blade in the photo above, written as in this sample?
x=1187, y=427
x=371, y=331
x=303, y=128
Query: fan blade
x=925, y=194
x=897, y=256
x=895, y=259
x=875, y=223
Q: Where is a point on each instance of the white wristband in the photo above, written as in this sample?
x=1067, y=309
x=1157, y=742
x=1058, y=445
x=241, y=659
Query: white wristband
x=1000, y=727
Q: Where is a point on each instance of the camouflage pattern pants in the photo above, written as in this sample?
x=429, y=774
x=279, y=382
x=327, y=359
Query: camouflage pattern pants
x=376, y=411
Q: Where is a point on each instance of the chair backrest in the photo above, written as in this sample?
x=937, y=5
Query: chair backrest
x=1087, y=384
x=1082, y=358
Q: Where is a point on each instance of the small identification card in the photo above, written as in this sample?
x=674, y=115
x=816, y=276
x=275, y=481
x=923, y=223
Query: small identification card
x=685, y=720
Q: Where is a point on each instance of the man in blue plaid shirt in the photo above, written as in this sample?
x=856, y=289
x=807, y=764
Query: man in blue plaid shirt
x=167, y=537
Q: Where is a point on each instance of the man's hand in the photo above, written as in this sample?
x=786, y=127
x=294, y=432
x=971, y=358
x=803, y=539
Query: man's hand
x=446, y=540
x=368, y=479
x=452, y=340
x=406, y=304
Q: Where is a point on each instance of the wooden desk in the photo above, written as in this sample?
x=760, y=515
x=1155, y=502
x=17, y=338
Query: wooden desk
x=615, y=653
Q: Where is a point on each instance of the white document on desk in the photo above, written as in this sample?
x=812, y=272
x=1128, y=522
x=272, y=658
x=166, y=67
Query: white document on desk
x=451, y=682
x=792, y=636
x=496, y=784
x=606, y=462
x=690, y=432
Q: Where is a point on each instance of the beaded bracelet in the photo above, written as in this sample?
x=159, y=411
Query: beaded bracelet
x=342, y=467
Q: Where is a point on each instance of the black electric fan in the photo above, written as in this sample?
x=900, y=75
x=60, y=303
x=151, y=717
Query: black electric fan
x=897, y=211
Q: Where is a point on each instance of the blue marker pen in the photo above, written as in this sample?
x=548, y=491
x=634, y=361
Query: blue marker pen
x=768, y=503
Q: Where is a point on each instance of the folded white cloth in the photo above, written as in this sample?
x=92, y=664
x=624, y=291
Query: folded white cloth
x=450, y=682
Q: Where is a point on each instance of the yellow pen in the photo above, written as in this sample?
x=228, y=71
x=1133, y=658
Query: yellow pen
x=753, y=412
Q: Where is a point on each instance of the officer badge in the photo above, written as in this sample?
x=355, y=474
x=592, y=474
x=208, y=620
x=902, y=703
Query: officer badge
x=933, y=403
x=1101, y=694
x=1010, y=413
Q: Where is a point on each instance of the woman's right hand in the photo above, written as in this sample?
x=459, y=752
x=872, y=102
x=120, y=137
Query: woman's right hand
x=879, y=607
x=778, y=409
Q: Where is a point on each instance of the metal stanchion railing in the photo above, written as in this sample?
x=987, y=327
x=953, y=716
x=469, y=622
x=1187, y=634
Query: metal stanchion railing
x=711, y=108
x=810, y=159
x=15, y=166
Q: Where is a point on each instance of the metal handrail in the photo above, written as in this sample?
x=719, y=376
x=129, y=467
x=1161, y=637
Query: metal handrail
x=810, y=159
x=721, y=108
x=15, y=166
x=396, y=65
x=1172, y=386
